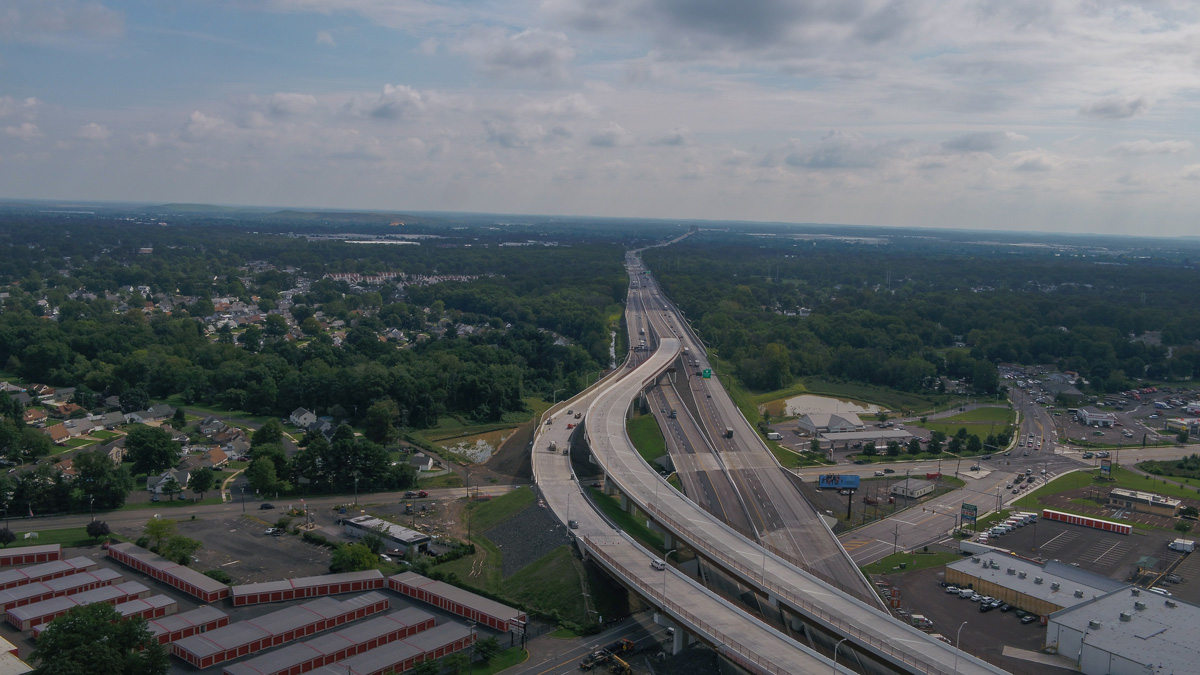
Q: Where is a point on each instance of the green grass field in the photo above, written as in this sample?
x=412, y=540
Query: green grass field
x=503, y=661
x=81, y=443
x=551, y=582
x=449, y=480
x=104, y=434
x=626, y=521
x=647, y=437
x=72, y=536
x=911, y=561
x=487, y=514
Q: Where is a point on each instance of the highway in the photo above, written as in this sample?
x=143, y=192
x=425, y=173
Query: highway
x=820, y=603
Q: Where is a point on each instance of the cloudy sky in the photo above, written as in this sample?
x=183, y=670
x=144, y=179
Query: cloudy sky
x=1011, y=114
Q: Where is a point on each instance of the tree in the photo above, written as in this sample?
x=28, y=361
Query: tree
x=271, y=432
x=456, y=662
x=933, y=447
x=179, y=549
x=98, y=479
x=133, y=399
x=352, y=558
x=97, y=529
x=151, y=449
x=429, y=667
x=96, y=639
x=179, y=419
x=159, y=530
x=1183, y=527
x=379, y=424
x=814, y=445
x=374, y=542
x=6, y=537
x=1182, y=437
x=974, y=445
x=487, y=648
x=869, y=449
x=893, y=448
x=201, y=481
x=171, y=488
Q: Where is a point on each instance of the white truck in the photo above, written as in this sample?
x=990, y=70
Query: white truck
x=1183, y=545
x=774, y=436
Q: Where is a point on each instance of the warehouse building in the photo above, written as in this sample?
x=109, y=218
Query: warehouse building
x=402, y=655
x=350, y=641
x=814, y=424
x=30, y=555
x=395, y=537
x=152, y=607
x=456, y=600
x=178, y=626
x=52, y=588
x=173, y=574
x=1128, y=632
x=24, y=618
x=271, y=630
x=307, y=587
x=1092, y=417
x=44, y=572
x=1041, y=589
x=1144, y=502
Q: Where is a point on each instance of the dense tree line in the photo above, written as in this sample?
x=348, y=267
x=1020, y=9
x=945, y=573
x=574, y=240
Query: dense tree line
x=902, y=316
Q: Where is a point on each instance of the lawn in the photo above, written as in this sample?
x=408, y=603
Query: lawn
x=447, y=480
x=985, y=415
x=626, y=521
x=1063, y=483
x=104, y=434
x=553, y=582
x=647, y=437
x=1123, y=478
x=881, y=396
x=70, y=537
x=911, y=561
x=81, y=443
x=487, y=514
x=504, y=660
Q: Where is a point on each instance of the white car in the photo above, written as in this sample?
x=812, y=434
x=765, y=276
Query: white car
x=384, y=557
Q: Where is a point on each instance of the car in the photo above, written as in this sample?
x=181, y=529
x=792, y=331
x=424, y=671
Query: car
x=976, y=597
x=154, y=497
x=573, y=524
x=1016, y=490
x=1160, y=591
x=985, y=607
x=860, y=461
x=996, y=604
x=975, y=467
x=1029, y=618
x=266, y=506
x=952, y=589
x=1008, y=487
x=1087, y=455
x=889, y=471
x=269, y=530
x=879, y=473
x=1025, y=454
x=1005, y=607
x=385, y=557
x=1021, y=614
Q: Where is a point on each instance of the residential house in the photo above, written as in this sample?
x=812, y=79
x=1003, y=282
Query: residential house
x=58, y=433
x=66, y=409
x=66, y=469
x=112, y=402
x=155, y=413
x=155, y=483
x=421, y=461
x=34, y=417
x=64, y=394
x=302, y=418
x=40, y=390
x=237, y=448
x=109, y=421
x=207, y=458
x=211, y=425
x=324, y=426
x=21, y=397
x=115, y=450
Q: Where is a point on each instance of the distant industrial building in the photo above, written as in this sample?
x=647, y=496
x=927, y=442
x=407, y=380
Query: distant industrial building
x=1128, y=632
x=395, y=537
x=1190, y=425
x=1144, y=502
x=1092, y=417
x=1041, y=589
x=824, y=423
x=912, y=488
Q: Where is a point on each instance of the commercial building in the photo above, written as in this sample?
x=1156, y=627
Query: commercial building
x=178, y=626
x=30, y=555
x=1144, y=502
x=1041, y=589
x=307, y=587
x=152, y=607
x=395, y=537
x=326, y=649
x=1092, y=417
x=44, y=572
x=880, y=437
x=402, y=655
x=173, y=574
x=456, y=600
x=912, y=488
x=1128, y=632
x=271, y=630
x=79, y=582
x=28, y=616
x=815, y=424
x=1188, y=425
x=1087, y=521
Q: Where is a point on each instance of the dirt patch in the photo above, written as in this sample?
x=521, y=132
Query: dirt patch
x=511, y=461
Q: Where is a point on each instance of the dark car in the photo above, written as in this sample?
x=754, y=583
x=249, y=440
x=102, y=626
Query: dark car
x=860, y=461
x=265, y=506
x=1029, y=618
x=985, y=607
x=1005, y=607
x=889, y=471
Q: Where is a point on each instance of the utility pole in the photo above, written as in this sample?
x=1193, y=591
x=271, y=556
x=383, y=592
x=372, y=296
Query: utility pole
x=895, y=537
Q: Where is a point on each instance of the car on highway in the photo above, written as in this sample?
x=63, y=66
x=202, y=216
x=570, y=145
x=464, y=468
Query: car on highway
x=879, y=473
x=889, y=471
x=266, y=506
x=1008, y=487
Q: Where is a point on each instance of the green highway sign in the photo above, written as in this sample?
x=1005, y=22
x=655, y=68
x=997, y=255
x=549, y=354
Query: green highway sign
x=707, y=373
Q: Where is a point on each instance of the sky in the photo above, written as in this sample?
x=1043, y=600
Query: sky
x=1027, y=115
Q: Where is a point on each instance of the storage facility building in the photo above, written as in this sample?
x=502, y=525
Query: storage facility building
x=30, y=555
x=1041, y=589
x=173, y=574
x=399, y=656
x=44, y=572
x=52, y=588
x=453, y=599
x=326, y=649
x=307, y=587
x=178, y=626
x=147, y=608
x=24, y=618
x=1128, y=632
x=271, y=630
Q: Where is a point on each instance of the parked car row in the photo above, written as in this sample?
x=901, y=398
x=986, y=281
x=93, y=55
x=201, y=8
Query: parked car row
x=1015, y=520
x=987, y=603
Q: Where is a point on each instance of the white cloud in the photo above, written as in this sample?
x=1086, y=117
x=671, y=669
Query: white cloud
x=534, y=53
x=396, y=102
x=93, y=132
x=26, y=107
x=325, y=38
x=841, y=150
x=284, y=104
x=26, y=131
x=515, y=135
x=200, y=127
x=1191, y=172
x=54, y=19
x=1146, y=147
x=1115, y=108
x=983, y=141
x=679, y=136
x=611, y=136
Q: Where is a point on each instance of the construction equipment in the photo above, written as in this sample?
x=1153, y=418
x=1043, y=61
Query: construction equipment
x=620, y=667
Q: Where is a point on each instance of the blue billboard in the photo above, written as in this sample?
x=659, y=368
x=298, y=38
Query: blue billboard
x=839, y=481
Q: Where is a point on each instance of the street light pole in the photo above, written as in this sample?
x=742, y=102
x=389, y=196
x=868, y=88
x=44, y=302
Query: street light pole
x=243, y=499
x=957, y=641
x=835, y=651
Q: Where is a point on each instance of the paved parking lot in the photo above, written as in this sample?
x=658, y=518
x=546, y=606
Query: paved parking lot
x=1106, y=553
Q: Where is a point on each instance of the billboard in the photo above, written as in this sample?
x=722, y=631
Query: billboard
x=969, y=512
x=1105, y=467
x=839, y=481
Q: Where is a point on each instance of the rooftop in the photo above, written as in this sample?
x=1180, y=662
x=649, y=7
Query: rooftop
x=1061, y=584
x=397, y=532
x=461, y=596
x=1159, y=632
x=1139, y=496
